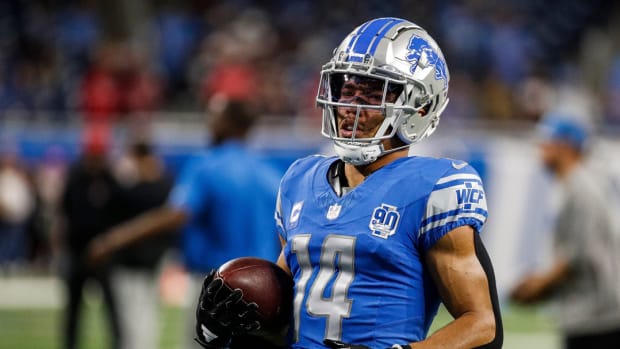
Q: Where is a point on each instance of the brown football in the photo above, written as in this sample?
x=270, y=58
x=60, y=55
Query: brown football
x=264, y=283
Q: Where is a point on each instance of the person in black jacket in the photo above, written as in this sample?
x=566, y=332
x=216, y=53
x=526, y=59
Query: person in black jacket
x=89, y=205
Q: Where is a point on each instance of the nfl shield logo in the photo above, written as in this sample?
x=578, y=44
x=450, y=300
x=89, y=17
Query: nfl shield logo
x=333, y=212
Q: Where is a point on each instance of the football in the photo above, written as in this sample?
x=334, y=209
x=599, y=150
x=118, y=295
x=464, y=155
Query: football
x=264, y=283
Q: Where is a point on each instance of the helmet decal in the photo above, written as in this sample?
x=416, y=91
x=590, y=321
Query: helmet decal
x=367, y=37
x=418, y=46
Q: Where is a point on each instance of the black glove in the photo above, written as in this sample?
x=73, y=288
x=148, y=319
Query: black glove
x=341, y=345
x=222, y=313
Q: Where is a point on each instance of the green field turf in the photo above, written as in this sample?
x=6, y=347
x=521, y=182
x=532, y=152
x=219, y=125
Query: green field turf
x=39, y=328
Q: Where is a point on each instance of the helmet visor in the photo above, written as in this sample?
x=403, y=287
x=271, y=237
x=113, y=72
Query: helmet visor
x=357, y=88
x=357, y=107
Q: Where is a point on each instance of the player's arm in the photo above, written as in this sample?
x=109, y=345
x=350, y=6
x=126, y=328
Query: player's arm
x=281, y=233
x=463, y=275
x=536, y=287
x=281, y=260
x=150, y=223
x=189, y=195
x=569, y=249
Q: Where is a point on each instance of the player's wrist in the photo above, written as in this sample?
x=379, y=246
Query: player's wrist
x=211, y=345
x=211, y=335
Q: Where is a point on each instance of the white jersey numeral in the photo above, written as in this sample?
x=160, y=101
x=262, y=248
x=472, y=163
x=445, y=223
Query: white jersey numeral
x=336, y=261
x=300, y=248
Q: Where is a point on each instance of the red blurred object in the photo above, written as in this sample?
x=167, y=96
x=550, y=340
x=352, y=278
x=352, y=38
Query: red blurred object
x=100, y=95
x=96, y=138
x=119, y=83
x=235, y=81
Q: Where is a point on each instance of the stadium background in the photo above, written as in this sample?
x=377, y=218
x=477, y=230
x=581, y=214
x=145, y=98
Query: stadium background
x=143, y=68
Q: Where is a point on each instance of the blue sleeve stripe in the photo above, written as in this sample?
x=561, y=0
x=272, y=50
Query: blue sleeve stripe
x=457, y=182
x=480, y=217
x=464, y=176
x=278, y=218
x=433, y=235
x=277, y=214
x=443, y=215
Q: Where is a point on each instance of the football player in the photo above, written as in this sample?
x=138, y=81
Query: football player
x=373, y=238
x=582, y=276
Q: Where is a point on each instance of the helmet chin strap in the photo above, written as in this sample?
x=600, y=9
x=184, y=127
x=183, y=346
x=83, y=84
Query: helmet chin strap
x=358, y=155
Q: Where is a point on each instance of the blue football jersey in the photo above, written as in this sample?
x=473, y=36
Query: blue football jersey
x=357, y=260
x=229, y=207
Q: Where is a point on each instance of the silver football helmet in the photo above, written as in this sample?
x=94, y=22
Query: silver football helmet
x=407, y=65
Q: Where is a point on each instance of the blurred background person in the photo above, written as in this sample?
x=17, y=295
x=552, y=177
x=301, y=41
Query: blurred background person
x=48, y=178
x=145, y=185
x=221, y=200
x=90, y=204
x=584, y=274
x=16, y=204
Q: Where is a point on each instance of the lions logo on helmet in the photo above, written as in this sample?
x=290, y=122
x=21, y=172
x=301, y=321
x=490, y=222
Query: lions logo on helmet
x=403, y=60
x=418, y=46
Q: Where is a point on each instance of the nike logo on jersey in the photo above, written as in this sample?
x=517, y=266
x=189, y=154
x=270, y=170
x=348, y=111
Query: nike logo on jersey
x=458, y=164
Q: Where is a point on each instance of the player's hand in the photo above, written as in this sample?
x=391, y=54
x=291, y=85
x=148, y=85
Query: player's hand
x=530, y=290
x=98, y=251
x=222, y=313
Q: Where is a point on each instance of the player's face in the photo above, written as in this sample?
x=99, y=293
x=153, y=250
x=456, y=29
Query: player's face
x=551, y=154
x=358, y=90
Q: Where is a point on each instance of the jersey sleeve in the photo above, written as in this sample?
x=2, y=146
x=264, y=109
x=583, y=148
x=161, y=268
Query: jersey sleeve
x=278, y=217
x=281, y=201
x=188, y=193
x=290, y=182
x=457, y=199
